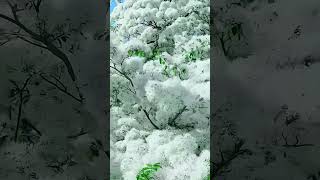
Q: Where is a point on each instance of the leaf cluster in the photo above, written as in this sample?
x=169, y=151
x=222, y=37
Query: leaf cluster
x=168, y=70
x=148, y=171
x=138, y=53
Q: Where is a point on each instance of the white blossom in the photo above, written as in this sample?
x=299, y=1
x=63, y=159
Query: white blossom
x=161, y=88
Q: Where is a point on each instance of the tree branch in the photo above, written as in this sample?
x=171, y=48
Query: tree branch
x=37, y=5
x=172, y=122
x=24, y=120
x=125, y=76
x=81, y=133
x=42, y=39
x=58, y=81
x=147, y=115
x=28, y=41
x=218, y=168
x=21, y=90
x=61, y=89
x=5, y=42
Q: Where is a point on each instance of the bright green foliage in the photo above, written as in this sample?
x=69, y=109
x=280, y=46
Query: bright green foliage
x=147, y=172
x=198, y=53
x=136, y=53
x=165, y=71
x=174, y=70
x=194, y=55
x=162, y=60
x=156, y=54
x=168, y=70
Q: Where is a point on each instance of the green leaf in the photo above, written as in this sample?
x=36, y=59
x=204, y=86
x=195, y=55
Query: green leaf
x=175, y=70
x=141, y=54
x=162, y=60
x=138, y=53
x=165, y=72
x=148, y=171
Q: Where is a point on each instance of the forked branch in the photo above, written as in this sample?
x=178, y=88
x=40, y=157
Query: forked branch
x=42, y=41
x=221, y=166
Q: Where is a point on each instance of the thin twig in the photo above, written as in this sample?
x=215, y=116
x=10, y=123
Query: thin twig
x=5, y=42
x=58, y=81
x=218, y=168
x=21, y=90
x=81, y=133
x=172, y=121
x=61, y=89
x=124, y=75
x=28, y=123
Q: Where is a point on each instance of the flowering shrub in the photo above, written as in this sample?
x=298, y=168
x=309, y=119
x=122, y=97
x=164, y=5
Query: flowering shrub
x=160, y=85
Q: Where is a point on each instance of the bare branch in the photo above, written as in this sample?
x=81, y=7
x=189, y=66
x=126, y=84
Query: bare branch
x=58, y=81
x=5, y=42
x=36, y=5
x=61, y=89
x=147, y=115
x=219, y=167
x=28, y=123
x=125, y=76
x=42, y=39
x=172, y=121
x=21, y=90
x=33, y=43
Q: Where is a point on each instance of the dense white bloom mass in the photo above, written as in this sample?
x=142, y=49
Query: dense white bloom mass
x=160, y=88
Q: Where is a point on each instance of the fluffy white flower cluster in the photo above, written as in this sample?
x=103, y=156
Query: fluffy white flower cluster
x=160, y=88
x=177, y=152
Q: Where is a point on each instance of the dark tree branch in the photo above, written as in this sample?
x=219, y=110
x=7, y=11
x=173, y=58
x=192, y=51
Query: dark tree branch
x=58, y=81
x=40, y=38
x=125, y=76
x=152, y=24
x=219, y=167
x=81, y=133
x=148, y=117
x=172, y=122
x=21, y=90
x=36, y=5
x=61, y=89
x=33, y=43
x=5, y=42
x=28, y=123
